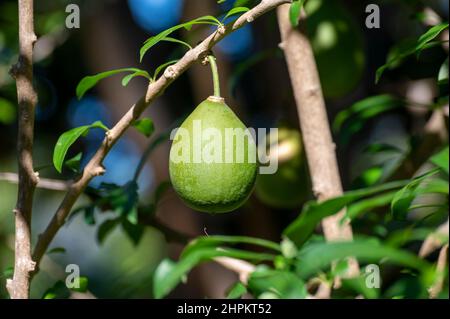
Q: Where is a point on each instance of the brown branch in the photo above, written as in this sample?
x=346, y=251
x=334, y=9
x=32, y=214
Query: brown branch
x=44, y=183
x=19, y=286
x=434, y=240
x=319, y=146
x=241, y=267
x=436, y=289
x=94, y=167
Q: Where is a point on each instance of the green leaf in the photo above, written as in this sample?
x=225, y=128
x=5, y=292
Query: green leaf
x=359, y=285
x=168, y=274
x=295, y=11
x=89, y=215
x=366, y=205
x=216, y=240
x=89, y=82
x=409, y=47
x=236, y=291
x=106, y=228
x=133, y=230
x=7, y=112
x=74, y=163
x=64, y=142
x=57, y=291
x=57, y=250
x=443, y=73
x=174, y=40
x=126, y=79
x=162, y=67
x=359, y=113
x=283, y=284
x=235, y=11
x=162, y=36
x=82, y=283
x=441, y=160
x=67, y=139
x=430, y=35
x=145, y=126
x=402, y=200
x=313, y=212
x=318, y=256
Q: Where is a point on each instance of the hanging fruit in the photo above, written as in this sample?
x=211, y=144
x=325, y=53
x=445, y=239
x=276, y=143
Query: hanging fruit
x=213, y=158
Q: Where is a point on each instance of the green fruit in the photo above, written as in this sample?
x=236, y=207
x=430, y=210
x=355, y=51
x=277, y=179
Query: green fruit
x=289, y=186
x=224, y=183
x=337, y=42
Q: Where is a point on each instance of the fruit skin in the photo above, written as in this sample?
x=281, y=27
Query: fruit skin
x=289, y=186
x=213, y=187
x=337, y=42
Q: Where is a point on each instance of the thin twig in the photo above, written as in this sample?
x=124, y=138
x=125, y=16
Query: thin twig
x=241, y=267
x=434, y=240
x=440, y=273
x=94, y=167
x=44, y=183
x=319, y=146
x=19, y=286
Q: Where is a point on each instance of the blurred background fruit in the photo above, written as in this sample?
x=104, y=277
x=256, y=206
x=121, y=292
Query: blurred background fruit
x=288, y=187
x=337, y=42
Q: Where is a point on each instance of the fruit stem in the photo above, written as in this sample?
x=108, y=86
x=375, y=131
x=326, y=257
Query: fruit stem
x=215, y=74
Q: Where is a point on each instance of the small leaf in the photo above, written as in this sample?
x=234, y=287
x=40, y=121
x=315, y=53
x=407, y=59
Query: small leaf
x=295, y=11
x=126, y=79
x=64, y=142
x=149, y=43
x=282, y=284
x=89, y=82
x=430, y=35
x=74, y=162
x=409, y=47
x=235, y=11
x=67, y=139
x=366, y=205
x=236, y=291
x=174, y=40
x=89, y=215
x=351, y=120
x=106, y=228
x=81, y=284
x=402, y=200
x=145, y=126
x=315, y=257
x=57, y=250
x=441, y=160
x=58, y=291
x=133, y=230
x=169, y=275
x=313, y=212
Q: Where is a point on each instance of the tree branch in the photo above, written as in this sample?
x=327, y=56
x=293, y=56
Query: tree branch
x=19, y=286
x=319, y=146
x=94, y=167
x=436, y=289
x=44, y=183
